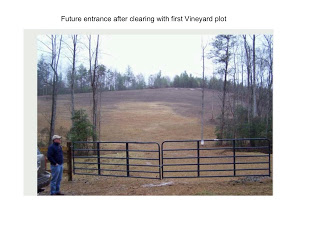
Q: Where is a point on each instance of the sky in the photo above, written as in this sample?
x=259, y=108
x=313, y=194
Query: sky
x=146, y=54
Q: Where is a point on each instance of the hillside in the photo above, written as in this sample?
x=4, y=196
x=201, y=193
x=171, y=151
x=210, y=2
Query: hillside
x=138, y=115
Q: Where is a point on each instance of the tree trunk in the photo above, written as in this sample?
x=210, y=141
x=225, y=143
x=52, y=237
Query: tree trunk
x=94, y=114
x=235, y=94
x=94, y=86
x=202, y=102
x=242, y=85
x=212, y=107
x=254, y=97
x=73, y=73
x=53, y=110
x=247, y=49
x=224, y=91
x=55, y=54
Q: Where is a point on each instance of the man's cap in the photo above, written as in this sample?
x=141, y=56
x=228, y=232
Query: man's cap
x=56, y=137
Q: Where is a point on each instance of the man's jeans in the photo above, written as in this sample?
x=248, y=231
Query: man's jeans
x=56, y=176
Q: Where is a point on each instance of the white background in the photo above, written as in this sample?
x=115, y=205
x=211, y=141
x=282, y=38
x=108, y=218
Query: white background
x=293, y=211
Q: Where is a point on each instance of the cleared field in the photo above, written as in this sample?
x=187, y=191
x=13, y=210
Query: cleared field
x=139, y=115
x=153, y=115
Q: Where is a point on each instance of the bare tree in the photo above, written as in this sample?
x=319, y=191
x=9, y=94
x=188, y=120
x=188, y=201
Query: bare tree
x=222, y=53
x=202, y=102
x=73, y=51
x=254, y=95
x=101, y=84
x=73, y=72
x=248, y=65
x=269, y=45
x=212, y=105
x=93, y=66
x=235, y=88
x=55, y=49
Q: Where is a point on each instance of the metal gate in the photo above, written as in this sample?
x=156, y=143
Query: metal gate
x=117, y=159
x=179, y=159
x=216, y=158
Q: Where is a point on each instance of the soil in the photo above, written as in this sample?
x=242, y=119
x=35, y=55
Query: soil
x=110, y=186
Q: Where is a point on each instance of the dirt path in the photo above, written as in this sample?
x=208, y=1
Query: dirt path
x=94, y=185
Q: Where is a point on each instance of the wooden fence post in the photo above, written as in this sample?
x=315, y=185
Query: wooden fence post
x=69, y=161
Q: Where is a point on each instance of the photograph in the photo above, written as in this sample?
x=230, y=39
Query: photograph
x=138, y=113
x=160, y=120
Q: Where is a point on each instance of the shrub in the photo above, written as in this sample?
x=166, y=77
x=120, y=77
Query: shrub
x=82, y=129
x=239, y=127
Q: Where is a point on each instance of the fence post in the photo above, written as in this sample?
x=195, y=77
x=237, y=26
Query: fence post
x=98, y=155
x=162, y=160
x=160, y=177
x=198, y=153
x=72, y=149
x=127, y=157
x=234, y=157
x=69, y=161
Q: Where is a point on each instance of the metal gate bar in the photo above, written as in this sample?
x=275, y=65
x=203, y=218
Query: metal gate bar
x=236, y=170
x=93, y=159
x=85, y=154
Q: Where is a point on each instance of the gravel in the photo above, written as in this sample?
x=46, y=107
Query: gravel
x=251, y=179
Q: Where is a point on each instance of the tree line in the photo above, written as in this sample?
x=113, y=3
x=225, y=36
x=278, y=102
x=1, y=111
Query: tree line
x=109, y=80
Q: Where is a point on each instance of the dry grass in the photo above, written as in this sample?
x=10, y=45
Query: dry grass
x=138, y=115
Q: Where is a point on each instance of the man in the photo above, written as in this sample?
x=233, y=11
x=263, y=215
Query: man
x=55, y=157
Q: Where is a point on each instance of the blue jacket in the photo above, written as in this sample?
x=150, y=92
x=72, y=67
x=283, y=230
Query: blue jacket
x=55, y=154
